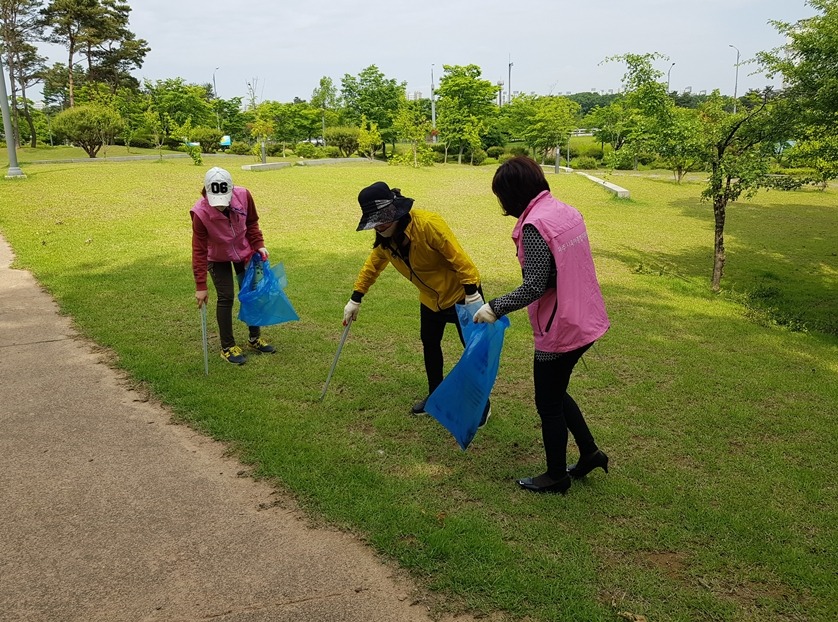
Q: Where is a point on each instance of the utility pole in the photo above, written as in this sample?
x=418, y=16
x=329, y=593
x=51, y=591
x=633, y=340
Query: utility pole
x=215, y=103
x=14, y=169
x=736, y=82
x=433, y=106
x=667, y=77
x=509, y=82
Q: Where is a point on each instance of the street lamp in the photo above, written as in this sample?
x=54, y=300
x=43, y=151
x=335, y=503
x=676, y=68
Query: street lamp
x=215, y=93
x=14, y=169
x=509, y=82
x=667, y=76
x=736, y=82
x=433, y=106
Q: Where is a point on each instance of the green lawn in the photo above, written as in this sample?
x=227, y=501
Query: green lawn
x=718, y=411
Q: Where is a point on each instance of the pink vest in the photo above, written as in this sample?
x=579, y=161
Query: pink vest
x=226, y=237
x=572, y=314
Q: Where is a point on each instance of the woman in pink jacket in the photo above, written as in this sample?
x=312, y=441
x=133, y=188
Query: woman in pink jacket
x=225, y=234
x=566, y=310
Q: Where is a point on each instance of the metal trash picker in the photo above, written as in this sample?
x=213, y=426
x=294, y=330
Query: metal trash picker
x=204, y=337
x=337, y=356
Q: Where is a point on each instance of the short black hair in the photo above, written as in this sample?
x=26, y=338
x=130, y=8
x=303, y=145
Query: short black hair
x=516, y=183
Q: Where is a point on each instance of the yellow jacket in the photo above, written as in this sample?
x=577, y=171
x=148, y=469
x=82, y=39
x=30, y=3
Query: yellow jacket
x=439, y=267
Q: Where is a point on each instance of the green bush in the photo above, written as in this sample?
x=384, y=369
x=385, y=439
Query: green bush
x=495, y=152
x=504, y=157
x=207, y=137
x=274, y=149
x=519, y=150
x=584, y=162
x=489, y=161
x=239, y=148
x=305, y=150
x=345, y=138
x=332, y=151
x=476, y=158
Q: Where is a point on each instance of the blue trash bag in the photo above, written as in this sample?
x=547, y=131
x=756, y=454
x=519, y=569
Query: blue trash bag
x=262, y=296
x=458, y=403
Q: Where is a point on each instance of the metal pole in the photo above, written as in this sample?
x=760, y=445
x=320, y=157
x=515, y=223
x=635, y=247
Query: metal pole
x=667, y=77
x=335, y=361
x=14, y=169
x=736, y=82
x=509, y=82
x=433, y=105
x=215, y=93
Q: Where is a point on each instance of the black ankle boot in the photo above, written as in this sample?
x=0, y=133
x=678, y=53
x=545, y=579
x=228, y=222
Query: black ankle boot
x=588, y=463
x=544, y=483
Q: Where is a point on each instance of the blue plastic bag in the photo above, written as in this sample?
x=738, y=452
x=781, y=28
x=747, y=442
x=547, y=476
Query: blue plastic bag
x=459, y=401
x=262, y=296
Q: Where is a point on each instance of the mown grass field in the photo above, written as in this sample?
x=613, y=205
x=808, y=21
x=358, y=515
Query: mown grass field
x=718, y=411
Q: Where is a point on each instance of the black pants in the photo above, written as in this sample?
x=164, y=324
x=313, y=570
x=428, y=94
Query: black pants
x=559, y=412
x=431, y=328
x=221, y=273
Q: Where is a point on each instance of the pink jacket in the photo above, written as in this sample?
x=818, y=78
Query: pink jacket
x=215, y=237
x=572, y=314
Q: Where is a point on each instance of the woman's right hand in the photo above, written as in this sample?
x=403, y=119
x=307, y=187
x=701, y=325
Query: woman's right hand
x=350, y=311
x=201, y=297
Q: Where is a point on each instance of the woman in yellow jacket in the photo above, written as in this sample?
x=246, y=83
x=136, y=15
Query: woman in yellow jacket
x=421, y=246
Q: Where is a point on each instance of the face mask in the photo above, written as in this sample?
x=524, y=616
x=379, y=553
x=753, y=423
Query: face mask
x=389, y=231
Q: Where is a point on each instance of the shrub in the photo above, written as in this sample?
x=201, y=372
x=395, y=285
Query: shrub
x=344, y=138
x=274, y=149
x=207, y=137
x=584, y=162
x=305, y=150
x=90, y=127
x=519, y=150
x=476, y=157
x=332, y=151
x=489, y=161
x=239, y=148
x=495, y=152
x=504, y=157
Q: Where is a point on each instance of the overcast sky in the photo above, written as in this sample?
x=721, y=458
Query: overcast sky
x=555, y=46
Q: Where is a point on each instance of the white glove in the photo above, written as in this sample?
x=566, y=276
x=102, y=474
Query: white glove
x=475, y=297
x=485, y=315
x=350, y=311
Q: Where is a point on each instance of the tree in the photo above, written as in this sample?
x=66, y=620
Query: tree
x=412, y=125
x=263, y=127
x=738, y=150
x=551, y=122
x=372, y=96
x=344, y=138
x=680, y=141
x=466, y=102
x=808, y=64
x=369, y=138
x=67, y=21
x=19, y=26
x=90, y=127
x=111, y=49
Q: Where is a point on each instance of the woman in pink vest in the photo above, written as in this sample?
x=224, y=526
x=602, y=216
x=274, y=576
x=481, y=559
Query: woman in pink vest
x=225, y=234
x=566, y=310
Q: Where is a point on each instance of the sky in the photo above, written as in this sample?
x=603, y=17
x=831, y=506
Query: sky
x=283, y=48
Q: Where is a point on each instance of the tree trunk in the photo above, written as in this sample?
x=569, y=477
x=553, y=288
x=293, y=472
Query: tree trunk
x=27, y=114
x=460, y=155
x=719, y=205
x=415, y=159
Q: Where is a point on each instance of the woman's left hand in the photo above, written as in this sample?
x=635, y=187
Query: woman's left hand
x=263, y=252
x=485, y=315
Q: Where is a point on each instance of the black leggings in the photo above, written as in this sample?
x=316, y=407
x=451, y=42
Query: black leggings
x=221, y=273
x=431, y=328
x=559, y=412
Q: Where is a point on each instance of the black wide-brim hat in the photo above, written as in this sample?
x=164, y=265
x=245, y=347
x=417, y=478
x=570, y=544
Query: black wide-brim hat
x=380, y=205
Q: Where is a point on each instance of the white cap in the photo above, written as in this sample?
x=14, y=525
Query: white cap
x=219, y=187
